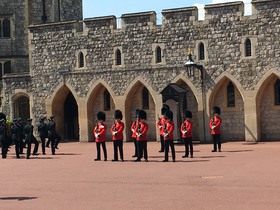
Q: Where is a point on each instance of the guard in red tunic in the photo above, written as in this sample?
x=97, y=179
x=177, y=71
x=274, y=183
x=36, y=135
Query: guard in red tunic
x=160, y=123
x=215, y=126
x=141, y=136
x=133, y=129
x=168, y=129
x=186, y=130
x=117, y=135
x=100, y=135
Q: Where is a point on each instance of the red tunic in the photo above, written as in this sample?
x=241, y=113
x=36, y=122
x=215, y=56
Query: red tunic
x=117, y=130
x=160, y=124
x=215, y=125
x=100, y=132
x=141, y=131
x=186, y=129
x=168, y=130
x=133, y=129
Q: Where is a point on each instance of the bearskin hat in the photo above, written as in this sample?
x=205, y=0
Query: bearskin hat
x=142, y=114
x=168, y=115
x=101, y=116
x=2, y=116
x=166, y=106
x=163, y=110
x=137, y=112
x=188, y=114
x=216, y=110
x=118, y=114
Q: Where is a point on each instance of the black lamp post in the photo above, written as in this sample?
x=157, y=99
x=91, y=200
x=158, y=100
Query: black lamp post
x=191, y=67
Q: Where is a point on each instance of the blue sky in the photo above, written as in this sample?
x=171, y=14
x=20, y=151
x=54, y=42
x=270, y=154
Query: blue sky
x=97, y=8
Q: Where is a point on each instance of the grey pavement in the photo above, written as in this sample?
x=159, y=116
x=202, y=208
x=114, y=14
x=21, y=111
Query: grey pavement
x=242, y=176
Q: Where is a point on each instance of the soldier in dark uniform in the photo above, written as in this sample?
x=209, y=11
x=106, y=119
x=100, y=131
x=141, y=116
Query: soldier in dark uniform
x=52, y=134
x=29, y=139
x=43, y=133
x=3, y=137
x=16, y=136
x=21, y=135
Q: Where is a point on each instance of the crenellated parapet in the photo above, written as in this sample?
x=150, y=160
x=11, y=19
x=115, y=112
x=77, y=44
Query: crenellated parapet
x=97, y=23
x=265, y=6
x=142, y=19
x=186, y=14
x=225, y=9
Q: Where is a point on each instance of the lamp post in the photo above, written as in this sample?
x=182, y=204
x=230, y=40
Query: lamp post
x=191, y=67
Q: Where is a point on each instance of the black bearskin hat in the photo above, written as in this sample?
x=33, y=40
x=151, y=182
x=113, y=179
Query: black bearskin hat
x=137, y=112
x=2, y=116
x=101, y=116
x=142, y=114
x=188, y=114
x=163, y=110
x=166, y=106
x=168, y=115
x=216, y=110
x=118, y=114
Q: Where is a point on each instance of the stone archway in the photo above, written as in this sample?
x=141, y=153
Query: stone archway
x=233, y=124
x=65, y=109
x=134, y=101
x=97, y=102
x=268, y=111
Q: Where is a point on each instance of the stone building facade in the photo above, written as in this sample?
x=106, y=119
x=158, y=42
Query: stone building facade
x=77, y=68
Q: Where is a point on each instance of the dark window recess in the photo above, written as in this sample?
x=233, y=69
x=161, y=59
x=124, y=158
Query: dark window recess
x=145, y=98
x=107, y=102
x=201, y=51
x=7, y=67
x=277, y=92
x=118, y=57
x=6, y=28
x=248, y=48
x=81, y=60
x=230, y=95
x=158, y=55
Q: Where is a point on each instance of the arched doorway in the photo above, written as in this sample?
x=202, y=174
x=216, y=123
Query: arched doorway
x=71, y=128
x=65, y=110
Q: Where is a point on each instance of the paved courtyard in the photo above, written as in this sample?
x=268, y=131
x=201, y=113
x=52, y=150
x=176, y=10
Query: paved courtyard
x=242, y=176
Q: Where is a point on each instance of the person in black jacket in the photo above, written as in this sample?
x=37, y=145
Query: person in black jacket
x=29, y=138
x=43, y=133
x=52, y=134
x=16, y=136
x=3, y=137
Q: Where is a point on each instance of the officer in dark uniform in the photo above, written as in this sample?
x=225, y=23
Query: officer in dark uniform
x=21, y=135
x=52, y=134
x=3, y=137
x=16, y=136
x=43, y=133
x=29, y=138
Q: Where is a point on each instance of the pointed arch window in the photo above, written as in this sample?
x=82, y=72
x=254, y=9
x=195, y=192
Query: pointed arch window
x=158, y=54
x=81, y=60
x=248, y=48
x=118, y=57
x=145, y=98
x=277, y=92
x=201, y=52
x=230, y=95
x=107, y=102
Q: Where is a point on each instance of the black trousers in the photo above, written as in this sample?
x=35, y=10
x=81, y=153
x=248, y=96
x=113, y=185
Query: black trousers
x=4, y=147
x=51, y=139
x=142, y=150
x=135, y=147
x=35, y=150
x=168, y=143
x=17, y=147
x=161, y=143
x=188, y=146
x=118, y=144
x=43, y=143
x=103, y=144
x=217, y=141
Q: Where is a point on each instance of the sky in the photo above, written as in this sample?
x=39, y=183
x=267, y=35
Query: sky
x=99, y=8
